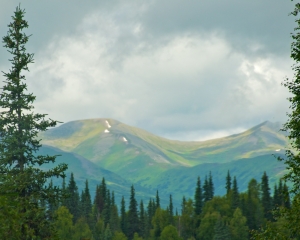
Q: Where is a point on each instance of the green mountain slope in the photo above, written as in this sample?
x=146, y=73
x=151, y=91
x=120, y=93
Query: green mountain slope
x=84, y=169
x=139, y=156
x=182, y=181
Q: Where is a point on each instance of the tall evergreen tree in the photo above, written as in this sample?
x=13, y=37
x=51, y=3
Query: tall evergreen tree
x=171, y=209
x=228, y=183
x=64, y=192
x=133, y=219
x=151, y=212
x=52, y=205
x=211, y=187
x=235, y=194
x=81, y=205
x=114, y=221
x=73, y=200
x=276, y=198
x=266, y=197
x=142, y=221
x=280, y=192
x=183, y=204
x=86, y=202
x=23, y=182
x=157, y=200
x=113, y=198
x=286, y=196
x=254, y=209
x=123, y=222
x=99, y=200
x=208, y=188
x=206, y=194
x=107, y=207
x=198, y=197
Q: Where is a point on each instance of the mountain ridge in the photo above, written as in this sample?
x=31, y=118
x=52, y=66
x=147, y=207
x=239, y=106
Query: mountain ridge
x=141, y=157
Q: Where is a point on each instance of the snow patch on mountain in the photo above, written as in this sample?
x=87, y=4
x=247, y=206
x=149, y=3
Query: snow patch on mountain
x=107, y=123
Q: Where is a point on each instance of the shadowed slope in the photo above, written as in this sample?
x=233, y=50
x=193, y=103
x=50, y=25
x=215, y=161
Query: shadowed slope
x=84, y=169
x=141, y=157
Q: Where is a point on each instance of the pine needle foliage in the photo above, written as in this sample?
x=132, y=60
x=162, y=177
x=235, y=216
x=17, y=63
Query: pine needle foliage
x=22, y=181
x=290, y=216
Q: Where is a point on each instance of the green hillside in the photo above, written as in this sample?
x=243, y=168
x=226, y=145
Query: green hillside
x=138, y=155
x=181, y=181
x=84, y=169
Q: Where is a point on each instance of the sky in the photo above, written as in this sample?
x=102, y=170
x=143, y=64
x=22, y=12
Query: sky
x=185, y=70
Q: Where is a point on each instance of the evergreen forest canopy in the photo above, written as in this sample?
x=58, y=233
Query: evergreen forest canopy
x=204, y=217
x=32, y=207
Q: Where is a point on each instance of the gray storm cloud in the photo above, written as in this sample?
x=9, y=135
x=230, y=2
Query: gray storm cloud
x=159, y=72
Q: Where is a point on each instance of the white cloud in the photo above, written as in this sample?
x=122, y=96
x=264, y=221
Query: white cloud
x=188, y=82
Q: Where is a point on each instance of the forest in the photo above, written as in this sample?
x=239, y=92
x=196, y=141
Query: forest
x=206, y=216
x=32, y=207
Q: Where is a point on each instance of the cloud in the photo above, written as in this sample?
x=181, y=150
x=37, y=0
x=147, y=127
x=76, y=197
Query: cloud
x=188, y=82
x=190, y=74
x=242, y=22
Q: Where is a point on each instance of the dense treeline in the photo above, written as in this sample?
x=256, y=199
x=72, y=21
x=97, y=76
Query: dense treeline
x=204, y=217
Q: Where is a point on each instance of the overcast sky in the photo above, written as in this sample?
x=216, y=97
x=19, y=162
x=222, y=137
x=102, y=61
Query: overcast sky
x=186, y=70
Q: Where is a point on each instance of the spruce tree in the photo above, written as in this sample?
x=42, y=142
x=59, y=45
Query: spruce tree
x=99, y=201
x=206, y=194
x=23, y=182
x=235, y=194
x=171, y=210
x=142, y=220
x=133, y=219
x=103, y=189
x=280, y=192
x=183, y=204
x=64, y=192
x=266, y=199
x=151, y=211
x=228, y=183
x=113, y=198
x=86, y=202
x=123, y=222
x=114, y=221
x=198, y=197
x=157, y=200
x=73, y=200
x=286, y=196
x=208, y=188
x=211, y=187
x=81, y=205
x=254, y=210
x=52, y=205
x=276, y=198
x=107, y=207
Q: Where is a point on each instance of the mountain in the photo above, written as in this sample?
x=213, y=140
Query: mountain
x=108, y=143
x=84, y=169
x=152, y=162
x=182, y=181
